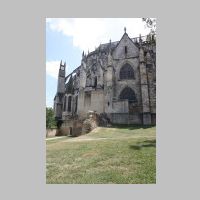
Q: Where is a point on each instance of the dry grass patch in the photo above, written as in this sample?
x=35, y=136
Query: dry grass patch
x=128, y=155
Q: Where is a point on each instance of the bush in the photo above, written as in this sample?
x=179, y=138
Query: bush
x=50, y=120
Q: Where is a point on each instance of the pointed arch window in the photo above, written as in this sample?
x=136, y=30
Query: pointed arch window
x=126, y=72
x=76, y=103
x=125, y=50
x=128, y=93
x=65, y=103
x=69, y=104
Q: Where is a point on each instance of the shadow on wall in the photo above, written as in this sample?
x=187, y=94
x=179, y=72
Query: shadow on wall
x=146, y=143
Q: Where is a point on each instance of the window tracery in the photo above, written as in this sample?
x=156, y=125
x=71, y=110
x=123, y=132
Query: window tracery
x=126, y=72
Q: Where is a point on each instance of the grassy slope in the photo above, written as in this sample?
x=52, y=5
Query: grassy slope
x=128, y=155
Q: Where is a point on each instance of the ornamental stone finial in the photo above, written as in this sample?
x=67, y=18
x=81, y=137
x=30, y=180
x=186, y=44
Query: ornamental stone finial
x=140, y=40
x=125, y=29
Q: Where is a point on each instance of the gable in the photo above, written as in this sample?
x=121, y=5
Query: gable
x=125, y=48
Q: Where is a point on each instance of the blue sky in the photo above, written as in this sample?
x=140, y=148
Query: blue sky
x=58, y=47
x=66, y=39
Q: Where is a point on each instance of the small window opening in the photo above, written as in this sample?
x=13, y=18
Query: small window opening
x=95, y=82
x=125, y=49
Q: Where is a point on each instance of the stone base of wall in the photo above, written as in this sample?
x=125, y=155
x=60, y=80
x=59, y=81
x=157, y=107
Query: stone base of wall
x=126, y=118
x=147, y=118
x=75, y=127
x=72, y=127
x=153, y=119
x=133, y=118
x=51, y=132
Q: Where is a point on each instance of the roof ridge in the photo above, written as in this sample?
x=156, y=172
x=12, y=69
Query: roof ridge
x=119, y=40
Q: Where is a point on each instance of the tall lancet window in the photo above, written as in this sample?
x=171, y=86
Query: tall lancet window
x=65, y=103
x=76, y=103
x=69, y=104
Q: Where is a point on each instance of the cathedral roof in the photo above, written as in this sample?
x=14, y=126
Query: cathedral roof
x=106, y=46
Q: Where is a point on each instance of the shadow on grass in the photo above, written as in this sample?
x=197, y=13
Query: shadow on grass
x=146, y=143
x=130, y=127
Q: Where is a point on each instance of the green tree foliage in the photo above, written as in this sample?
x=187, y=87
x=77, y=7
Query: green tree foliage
x=151, y=24
x=50, y=120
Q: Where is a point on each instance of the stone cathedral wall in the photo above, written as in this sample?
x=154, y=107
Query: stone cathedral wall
x=97, y=85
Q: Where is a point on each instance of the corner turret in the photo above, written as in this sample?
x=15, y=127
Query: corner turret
x=61, y=78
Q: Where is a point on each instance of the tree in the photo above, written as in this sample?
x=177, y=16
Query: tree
x=50, y=120
x=151, y=24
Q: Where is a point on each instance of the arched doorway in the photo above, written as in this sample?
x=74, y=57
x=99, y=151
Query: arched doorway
x=128, y=94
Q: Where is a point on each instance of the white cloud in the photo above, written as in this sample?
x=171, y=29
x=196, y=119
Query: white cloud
x=52, y=68
x=88, y=33
x=48, y=20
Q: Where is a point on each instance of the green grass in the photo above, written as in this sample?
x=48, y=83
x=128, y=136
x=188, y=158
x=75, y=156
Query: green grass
x=112, y=155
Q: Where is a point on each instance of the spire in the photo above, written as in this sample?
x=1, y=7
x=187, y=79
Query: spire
x=83, y=54
x=109, y=55
x=65, y=64
x=109, y=59
x=148, y=38
x=60, y=62
x=124, y=29
x=153, y=38
x=99, y=49
x=110, y=46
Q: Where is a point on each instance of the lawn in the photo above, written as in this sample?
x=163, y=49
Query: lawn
x=121, y=155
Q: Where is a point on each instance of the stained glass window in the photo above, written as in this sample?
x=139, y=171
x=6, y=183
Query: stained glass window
x=126, y=72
